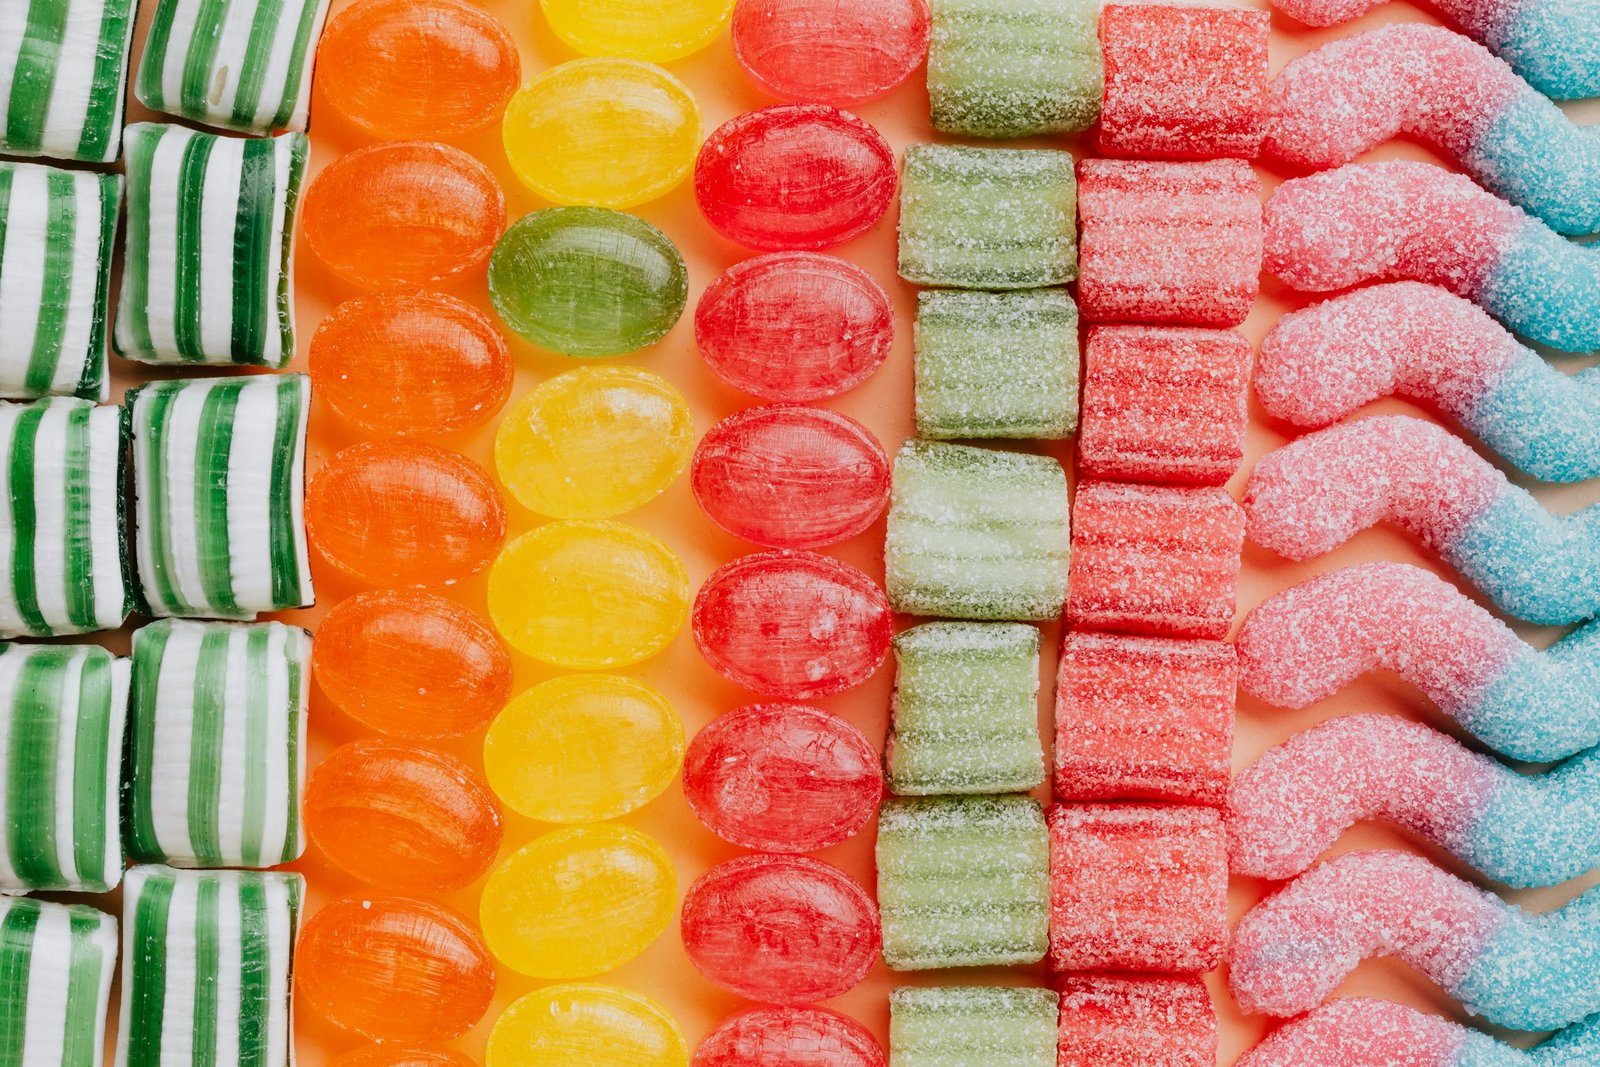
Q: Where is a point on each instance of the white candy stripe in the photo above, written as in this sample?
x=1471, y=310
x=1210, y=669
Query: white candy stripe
x=13, y=31
x=161, y=191
x=79, y=333
x=174, y=731
x=51, y=471
x=219, y=213
x=180, y=444
x=250, y=466
x=108, y=537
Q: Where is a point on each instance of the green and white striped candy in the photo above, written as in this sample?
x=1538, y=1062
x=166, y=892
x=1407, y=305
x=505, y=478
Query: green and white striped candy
x=56, y=234
x=63, y=69
x=62, y=539
x=216, y=757
x=219, y=488
x=56, y=963
x=238, y=64
x=207, y=270
x=207, y=967
x=62, y=713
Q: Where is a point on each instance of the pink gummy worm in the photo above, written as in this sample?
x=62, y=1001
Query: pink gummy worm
x=1294, y=948
x=1478, y=17
x=1360, y=1032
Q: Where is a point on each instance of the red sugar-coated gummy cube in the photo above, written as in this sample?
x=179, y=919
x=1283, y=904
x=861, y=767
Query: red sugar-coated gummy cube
x=789, y=1037
x=1159, y=560
x=1144, y=718
x=1137, y=887
x=1184, y=82
x=1112, y=1020
x=1168, y=242
x=1164, y=404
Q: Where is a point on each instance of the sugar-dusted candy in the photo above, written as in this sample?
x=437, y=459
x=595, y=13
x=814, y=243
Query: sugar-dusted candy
x=963, y=881
x=782, y=778
x=1158, y=560
x=401, y=1056
x=1144, y=718
x=794, y=176
x=825, y=52
x=1137, y=887
x=996, y=364
x=1014, y=68
x=788, y=930
x=794, y=326
x=653, y=30
x=791, y=476
x=790, y=1037
x=59, y=960
x=577, y=1025
x=587, y=281
x=972, y=1026
x=1184, y=82
x=977, y=534
x=65, y=69
x=1164, y=404
x=207, y=251
x=1169, y=242
x=57, y=230
x=1404, y=220
x=404, y=513
x=402, y=817
x=1522, y=830
x=207, y=960
x=219, y=513
x=965, y=715
x=1513, y=968
x=1309, y=642
x=583, y=747
x=794, y=625
x=1110, y=1020
x=602, y=132
x=1431, y=346
x=63, y=712
x=988, y=218
x=1310, y=496
x=65, y=549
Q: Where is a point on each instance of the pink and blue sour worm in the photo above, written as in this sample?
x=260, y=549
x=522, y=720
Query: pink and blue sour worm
x=1361, y=1032
x=1312, y=495
x=1426, y=344
x=1526, y=972
x=1446, y=90
x=1413, y=221
x=1523, y=830
x=1555, y=44
x=1310, y=641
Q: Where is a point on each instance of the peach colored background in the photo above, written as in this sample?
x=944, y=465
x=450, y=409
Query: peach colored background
x=884, y=404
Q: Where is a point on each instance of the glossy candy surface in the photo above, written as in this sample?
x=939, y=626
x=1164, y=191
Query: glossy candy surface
x=582, y=1025
x=588, y=595
x=828, y=52
x=388, y=1056
x=404, y=513
x=602, y=132
x=656, y=30
x=789, y=1037
x=404, y=213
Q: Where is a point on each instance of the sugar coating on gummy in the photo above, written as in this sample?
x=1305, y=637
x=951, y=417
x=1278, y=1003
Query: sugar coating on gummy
x=996, y=364
x=1183, y=82
x=1134, y=1021
x=65, y=70
x=1164, y=404
x=973, y=1026
x=963, y=881
x=977, y=534
x=1309, y=642
x=1144, y=718
x=965, y=712
x=1014, y=68
x=59, y=960
x=1429, y=345
x=1169, y=242
x=988, y=218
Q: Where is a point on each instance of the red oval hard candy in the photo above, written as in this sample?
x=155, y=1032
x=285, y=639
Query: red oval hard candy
x=830, y=51
x=789, y=1037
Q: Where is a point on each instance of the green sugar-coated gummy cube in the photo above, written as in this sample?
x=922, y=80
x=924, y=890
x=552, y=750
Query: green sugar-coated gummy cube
x=963, y=881
x=972, y=1026
x=976, y=533
x=997, y=364
x=988, y=218
x=966, y=710
x=58, y=961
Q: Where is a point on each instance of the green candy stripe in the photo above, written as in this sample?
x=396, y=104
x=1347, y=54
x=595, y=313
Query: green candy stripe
x=31, y=785
x=97, y=756
x=24, y=522
x=208, y=960
x=102, y=130
x=188, y=271
x=147, y=913
x=149, y=648
x=33, y=81
x=287, y=533
x=215, y=447
x=84, y=1029
x=66, y=79
x=17, y=929
x=55, y=300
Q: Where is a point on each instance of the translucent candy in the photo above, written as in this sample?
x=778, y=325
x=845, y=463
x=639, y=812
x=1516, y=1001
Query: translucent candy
x=603, y=132
x=1112, y=1021
x=404, y=513
x=558, y=448
x=972, y=1026
x=393, y=969
x=782, y=778
x=577, y=1025
x=791, y=476
x=588, y=595
x=656, y=30
x=404, y=213
x=796, y=176
x=389, y=1056
x=588, y=282
x=790, y=1037
x=826, y=52
x=582, y=748
x=784, y=929
x=579, y=902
